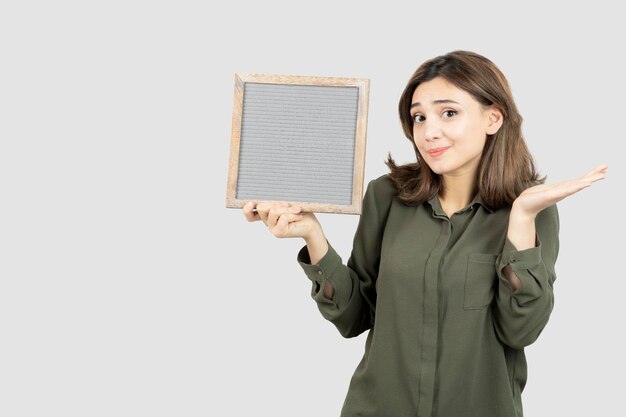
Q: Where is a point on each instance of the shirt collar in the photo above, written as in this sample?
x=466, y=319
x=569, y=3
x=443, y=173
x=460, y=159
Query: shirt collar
x=436, y=204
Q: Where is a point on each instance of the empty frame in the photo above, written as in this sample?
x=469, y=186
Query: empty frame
x=299, y=139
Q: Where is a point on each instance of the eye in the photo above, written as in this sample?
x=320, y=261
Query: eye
x=419, y=115
x=414, y=116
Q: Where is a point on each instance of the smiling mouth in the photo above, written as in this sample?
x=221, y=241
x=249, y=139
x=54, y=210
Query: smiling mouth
x=437, y=151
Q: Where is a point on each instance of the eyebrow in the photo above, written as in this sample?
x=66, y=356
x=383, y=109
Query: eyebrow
x=417, y=103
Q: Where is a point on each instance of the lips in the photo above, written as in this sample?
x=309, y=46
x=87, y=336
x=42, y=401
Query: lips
x=437, y=151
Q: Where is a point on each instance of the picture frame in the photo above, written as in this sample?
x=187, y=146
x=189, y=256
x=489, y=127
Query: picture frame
x=299, y=139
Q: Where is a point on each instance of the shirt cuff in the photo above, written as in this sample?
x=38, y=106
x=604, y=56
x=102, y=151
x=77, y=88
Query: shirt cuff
x=527, y=266
x=521, y=259
x=324, y=270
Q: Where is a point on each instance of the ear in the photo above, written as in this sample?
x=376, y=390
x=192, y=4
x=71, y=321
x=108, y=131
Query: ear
x=495, y=120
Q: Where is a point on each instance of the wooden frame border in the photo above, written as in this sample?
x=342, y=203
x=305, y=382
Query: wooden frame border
x=359, y=147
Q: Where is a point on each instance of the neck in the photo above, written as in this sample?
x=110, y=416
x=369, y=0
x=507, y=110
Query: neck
x=458, y=191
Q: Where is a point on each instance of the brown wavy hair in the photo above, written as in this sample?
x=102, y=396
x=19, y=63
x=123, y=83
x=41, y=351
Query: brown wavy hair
x=506, y=166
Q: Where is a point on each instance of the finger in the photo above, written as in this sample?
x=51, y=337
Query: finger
x=278, y=210
x=248, y=213
x=274, y=213
x=263, y=210
x=593, y=176
x=286, y=223
x=599, y=169
x=562, y=189
x=545, y=187
x=599, y=176
x=575, y=186
x=602, y=167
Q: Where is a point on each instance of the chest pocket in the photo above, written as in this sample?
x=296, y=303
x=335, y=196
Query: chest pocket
x=480, y=281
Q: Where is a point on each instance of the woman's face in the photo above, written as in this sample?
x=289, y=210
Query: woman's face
x=448, y=119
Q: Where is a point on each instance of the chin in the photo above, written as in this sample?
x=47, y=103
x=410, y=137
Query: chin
x=438, y=169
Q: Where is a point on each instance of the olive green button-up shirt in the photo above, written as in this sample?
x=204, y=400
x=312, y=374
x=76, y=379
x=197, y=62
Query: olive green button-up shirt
x=446, y=329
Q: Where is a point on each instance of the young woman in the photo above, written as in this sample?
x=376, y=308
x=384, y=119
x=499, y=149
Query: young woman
x=453, y=260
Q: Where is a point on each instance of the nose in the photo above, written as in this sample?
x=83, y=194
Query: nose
x=432, y=131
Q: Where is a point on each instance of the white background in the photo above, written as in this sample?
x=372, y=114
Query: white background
x=128, y=289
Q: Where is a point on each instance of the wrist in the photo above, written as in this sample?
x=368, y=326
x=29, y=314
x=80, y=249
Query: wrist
x=521, y=231
x=518, y=215
x=317, y=235
x=317, y=246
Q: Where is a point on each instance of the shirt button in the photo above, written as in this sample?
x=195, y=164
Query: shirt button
x=320, y=272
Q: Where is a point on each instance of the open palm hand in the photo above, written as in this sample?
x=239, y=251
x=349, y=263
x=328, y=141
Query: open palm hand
x=534, y=199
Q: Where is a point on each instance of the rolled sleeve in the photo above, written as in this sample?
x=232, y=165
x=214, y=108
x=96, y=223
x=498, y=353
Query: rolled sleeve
x=527, y=264
x=322, y=271
x=353, y=304
x=521, y=314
